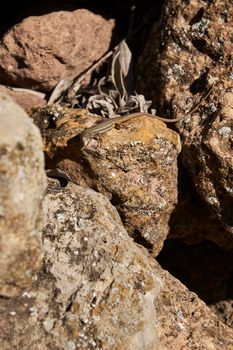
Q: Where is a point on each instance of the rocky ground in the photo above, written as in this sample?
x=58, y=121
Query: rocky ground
x=128, y=244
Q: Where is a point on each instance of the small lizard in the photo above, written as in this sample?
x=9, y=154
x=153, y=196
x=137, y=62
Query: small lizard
x=100, y=128
x=108, y=124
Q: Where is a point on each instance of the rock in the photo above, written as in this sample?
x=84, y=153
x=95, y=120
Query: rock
x=40, y=51
x=224, y=311
x=135, y=166
x=100, y=290
x=192, y=322
x=186, y=53
x=26, y=99
x=204, y=268
x=193, y=221
x=60, y=128
x=22, y=183
x=185, y=66
x=208, y=155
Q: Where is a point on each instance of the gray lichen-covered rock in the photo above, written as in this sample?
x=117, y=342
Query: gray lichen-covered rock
x=97, y=272
x=42, y=50
x=22, y=183
x=99, y=290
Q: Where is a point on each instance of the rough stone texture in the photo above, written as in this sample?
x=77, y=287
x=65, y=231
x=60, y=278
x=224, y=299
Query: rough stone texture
x=60, y=128
x=205, y=269
x=40, y=51
x=188, y=51
x=192, y=220
x=187, y=65
x=180, y=334
x=22, y=183
x=99, y=290
x=208, y=155
x=134, y=165
x=224, y=310
x=25, y=99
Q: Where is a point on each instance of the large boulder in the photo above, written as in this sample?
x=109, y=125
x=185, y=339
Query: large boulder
x=22, y=184
x=41, y=50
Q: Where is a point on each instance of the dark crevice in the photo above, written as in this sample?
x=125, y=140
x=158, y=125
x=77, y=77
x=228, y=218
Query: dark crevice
x=4, y=297
x=139, y=239
x=198, y=16
x=202, y=46
x=20, y=62
x=204, y=268
x=199, y=85
x=116, y=199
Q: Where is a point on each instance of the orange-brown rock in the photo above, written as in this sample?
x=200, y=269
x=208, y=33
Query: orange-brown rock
x=60, y=129
x=135, y=166
x=41, y=50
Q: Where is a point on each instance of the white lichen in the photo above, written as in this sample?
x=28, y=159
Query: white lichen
x=224, y=131
x=201, y=26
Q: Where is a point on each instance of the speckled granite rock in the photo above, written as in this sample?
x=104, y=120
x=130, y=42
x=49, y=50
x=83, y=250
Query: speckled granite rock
x=136, y=167
x=22, y=183
x=42, y=50
x=189, y=68
x=99, y=290
x=187, y=52
x=208, y=155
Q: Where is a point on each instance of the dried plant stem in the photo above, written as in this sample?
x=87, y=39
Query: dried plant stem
x=70, y=87
x=77, y=80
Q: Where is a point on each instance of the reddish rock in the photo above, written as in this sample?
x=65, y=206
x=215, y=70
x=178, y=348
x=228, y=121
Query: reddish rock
x=26, y=99
x=40, y=51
